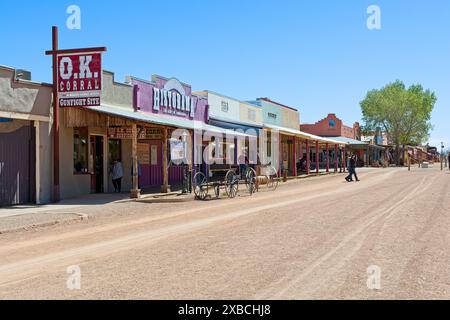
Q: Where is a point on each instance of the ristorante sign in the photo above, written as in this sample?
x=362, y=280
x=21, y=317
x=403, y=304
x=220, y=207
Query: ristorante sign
x=79, y=79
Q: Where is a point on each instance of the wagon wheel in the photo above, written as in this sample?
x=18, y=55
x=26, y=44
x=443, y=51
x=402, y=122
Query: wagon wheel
x=200, y=186
x=231, y=184
x=272, y=178
x=250, y=181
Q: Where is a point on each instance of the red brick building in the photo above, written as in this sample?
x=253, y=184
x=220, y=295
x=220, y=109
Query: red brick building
x=332, y=126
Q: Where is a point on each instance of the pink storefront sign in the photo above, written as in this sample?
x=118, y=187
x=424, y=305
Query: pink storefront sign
x=169, y=97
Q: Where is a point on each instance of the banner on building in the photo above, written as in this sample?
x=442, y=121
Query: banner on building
x=79, y=79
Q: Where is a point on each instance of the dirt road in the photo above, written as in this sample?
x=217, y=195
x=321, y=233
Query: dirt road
x=310, y=239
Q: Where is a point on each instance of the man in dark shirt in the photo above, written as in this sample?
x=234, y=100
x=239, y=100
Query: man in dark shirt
x=352, y=169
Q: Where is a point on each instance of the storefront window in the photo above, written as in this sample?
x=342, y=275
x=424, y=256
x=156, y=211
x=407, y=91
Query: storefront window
x=80, y=150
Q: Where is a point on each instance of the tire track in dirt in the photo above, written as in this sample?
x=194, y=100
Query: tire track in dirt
x=355, y=240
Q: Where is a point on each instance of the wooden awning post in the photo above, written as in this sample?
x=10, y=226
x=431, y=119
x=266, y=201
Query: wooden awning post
x=328, y=157
x=300, y=151
x=280, y=154
x=344, y=159
x=336, y=158
x=294, y=169
x=135, y=192
x=165, y=188
x=317, y=158
x=308, y=160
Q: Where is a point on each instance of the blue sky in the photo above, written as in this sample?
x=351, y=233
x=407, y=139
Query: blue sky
x=317, y=56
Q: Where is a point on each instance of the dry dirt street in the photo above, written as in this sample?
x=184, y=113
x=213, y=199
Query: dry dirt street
x=311, y=239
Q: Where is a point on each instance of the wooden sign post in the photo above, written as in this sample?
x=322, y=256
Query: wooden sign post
x=55, y=53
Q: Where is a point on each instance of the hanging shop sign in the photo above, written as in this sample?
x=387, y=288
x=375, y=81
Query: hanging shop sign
x=127, y=133
x=79, y=79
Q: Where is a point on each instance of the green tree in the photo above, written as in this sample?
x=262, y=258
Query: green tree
x=403, y=113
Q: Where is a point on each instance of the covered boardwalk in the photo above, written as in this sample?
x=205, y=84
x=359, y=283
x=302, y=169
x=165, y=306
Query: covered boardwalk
x=139, y=127
x=367, y=154
x=308, y=154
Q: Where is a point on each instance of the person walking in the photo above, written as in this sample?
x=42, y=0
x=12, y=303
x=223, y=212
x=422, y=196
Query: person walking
x=349, y=178
x=117, y=175
x=352, y=169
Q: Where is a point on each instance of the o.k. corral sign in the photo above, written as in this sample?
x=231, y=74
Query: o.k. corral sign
x=79, y=79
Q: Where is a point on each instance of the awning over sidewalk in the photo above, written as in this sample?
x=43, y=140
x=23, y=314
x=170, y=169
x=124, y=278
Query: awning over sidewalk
x=302, y=134
x=166, y=121
x=357, y=144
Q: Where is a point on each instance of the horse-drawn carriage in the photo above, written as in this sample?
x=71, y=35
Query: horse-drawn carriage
x=229, y=178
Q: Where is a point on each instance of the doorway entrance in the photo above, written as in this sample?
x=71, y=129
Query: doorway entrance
x=17, y=166
x=96, y=157
x=150, y=162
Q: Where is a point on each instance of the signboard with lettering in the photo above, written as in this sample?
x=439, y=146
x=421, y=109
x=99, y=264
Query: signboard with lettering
x=154, y=155
x=79, y=79
x=143, y=153
x=177, y=151
x=169, y=97
x=126, y=133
